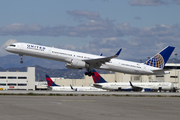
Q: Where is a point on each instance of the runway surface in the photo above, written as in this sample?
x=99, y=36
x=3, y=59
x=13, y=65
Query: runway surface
x=23, y=107
x=73, y=93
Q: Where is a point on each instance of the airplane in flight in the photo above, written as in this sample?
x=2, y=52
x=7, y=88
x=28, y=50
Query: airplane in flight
x=79, y=60
x=99, y=82
x=55, y=87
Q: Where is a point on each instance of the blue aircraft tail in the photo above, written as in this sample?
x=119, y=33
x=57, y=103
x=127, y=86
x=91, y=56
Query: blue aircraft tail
x=50, y=82
x=160, y=59
x=97, y=78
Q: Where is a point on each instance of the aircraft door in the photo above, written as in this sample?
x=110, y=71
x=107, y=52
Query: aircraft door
x=21, y=46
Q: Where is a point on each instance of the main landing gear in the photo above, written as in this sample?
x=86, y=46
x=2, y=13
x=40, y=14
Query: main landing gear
x=21, y=59
x=89, y=73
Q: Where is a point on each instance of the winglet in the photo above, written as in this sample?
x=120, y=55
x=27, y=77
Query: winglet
x=117, y=54
x=73, y=88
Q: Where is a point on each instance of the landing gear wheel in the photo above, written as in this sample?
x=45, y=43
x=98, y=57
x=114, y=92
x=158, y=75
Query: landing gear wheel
x=89, y=73
x=21, y=59
x=86, y=73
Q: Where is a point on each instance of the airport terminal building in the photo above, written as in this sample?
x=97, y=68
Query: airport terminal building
x=18, y=80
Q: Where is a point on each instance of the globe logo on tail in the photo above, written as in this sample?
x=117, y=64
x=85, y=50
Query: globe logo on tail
x=156, y=61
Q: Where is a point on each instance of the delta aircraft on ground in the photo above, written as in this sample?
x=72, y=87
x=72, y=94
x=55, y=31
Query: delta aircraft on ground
x=92, y=89
x=99, y=82
x=56, y=87
x=79, y=60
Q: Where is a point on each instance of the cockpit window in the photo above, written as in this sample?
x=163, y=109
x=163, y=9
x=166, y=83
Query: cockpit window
x=13, y=45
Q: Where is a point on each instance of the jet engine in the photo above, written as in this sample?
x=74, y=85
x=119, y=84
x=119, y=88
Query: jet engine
x=76, y=64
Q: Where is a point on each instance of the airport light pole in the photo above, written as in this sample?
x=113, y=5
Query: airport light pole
x=149, y=75
x=176, y=68
x=141, y=75
x=38, y=78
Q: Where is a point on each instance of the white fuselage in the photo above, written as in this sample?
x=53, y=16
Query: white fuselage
x=93, y=89
x=61, y=88
x=67, y=56
x=144, y=85
x=78, y=88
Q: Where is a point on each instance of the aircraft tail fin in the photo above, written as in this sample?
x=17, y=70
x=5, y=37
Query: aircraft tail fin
x=131, y=84
x=50, y=82
x=160, y=59
x=97, y=78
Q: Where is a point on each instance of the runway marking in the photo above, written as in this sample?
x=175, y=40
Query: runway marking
x=57, y=103
x=78, y=100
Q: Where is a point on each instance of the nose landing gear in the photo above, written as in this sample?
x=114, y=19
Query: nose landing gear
x=21, y=59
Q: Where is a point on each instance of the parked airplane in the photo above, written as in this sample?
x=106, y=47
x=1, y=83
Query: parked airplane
x=92, y=89
x=99, y=82
x=79, y=60
x=56, y=87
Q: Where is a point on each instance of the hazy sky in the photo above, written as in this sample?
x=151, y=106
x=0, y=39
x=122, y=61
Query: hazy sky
x=140, y=27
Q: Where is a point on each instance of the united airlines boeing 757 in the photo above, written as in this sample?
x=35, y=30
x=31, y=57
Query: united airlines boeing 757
x=79, y=60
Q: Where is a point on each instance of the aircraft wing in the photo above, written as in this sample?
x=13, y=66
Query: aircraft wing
x=137, y=88
x=102, y=60
x=97, y=85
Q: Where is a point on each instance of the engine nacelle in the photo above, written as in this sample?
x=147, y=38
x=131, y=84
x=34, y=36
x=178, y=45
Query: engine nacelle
x=76, y=64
